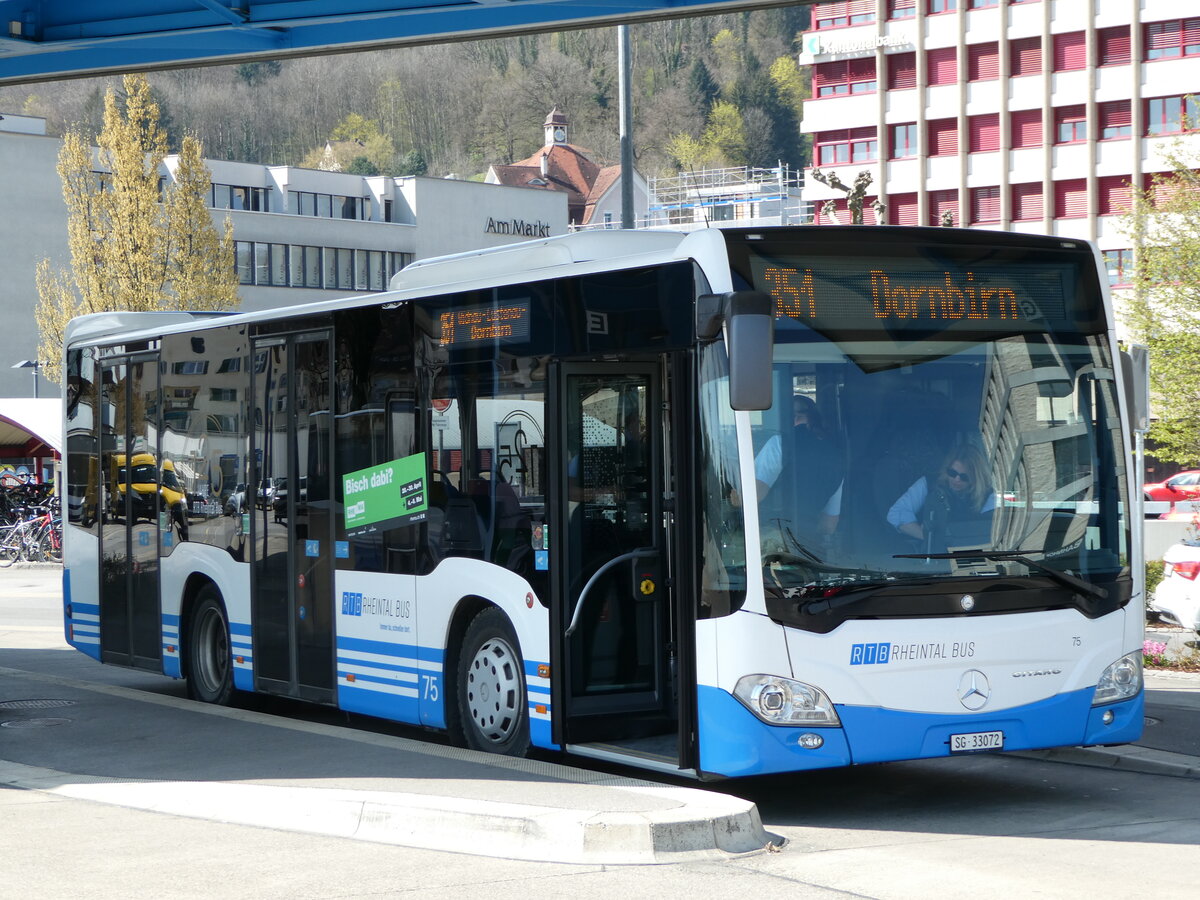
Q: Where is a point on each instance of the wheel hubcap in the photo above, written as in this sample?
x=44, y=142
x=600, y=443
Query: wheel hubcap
x=212, y=651
x=494, y=690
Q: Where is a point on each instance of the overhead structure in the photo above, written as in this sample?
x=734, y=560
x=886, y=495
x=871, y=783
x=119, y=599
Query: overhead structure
x=30, y=428
x=44, y=40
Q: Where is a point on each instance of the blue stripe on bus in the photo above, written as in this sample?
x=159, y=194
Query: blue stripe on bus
x=171, y=666
x=384, y=648
x=170, y=620
x=538, y=688
x=386, y=667
x=243, y=679
x=539, y=734
x=238, y=628
x=734, y=742
x=90, y=608
x=383, y=704
x=380, y=679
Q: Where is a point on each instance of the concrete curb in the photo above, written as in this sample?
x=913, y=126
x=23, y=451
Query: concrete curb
x=698, y=824
x=706, y=826
x=1131, y=758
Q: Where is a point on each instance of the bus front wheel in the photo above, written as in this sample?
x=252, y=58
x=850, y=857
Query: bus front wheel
x=492, y=708
x=209, y=661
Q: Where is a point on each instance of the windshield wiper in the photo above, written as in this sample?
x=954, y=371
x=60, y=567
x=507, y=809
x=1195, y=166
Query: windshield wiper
x=1063, y=578
x=828, y=604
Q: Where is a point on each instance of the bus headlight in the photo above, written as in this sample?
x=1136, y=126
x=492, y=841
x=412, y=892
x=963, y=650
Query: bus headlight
x=1120, y=681
x=781, y=701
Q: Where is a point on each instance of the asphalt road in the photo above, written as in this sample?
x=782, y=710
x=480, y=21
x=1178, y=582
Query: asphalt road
x=981, y=826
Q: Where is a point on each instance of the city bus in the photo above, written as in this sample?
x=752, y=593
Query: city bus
x=719, y=503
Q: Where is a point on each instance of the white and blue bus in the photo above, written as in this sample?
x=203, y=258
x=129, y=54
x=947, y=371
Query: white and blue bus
x=722, y=503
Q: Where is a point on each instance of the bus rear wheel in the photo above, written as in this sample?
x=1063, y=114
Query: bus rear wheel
x=492, y=709
x=209, y=661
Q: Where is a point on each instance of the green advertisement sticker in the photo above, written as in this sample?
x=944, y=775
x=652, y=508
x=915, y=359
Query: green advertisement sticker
x=385, y=496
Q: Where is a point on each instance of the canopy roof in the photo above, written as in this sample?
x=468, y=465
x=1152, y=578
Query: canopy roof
x=30, y=427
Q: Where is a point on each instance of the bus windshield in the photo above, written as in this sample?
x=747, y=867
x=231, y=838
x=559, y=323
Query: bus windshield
x=938, y=413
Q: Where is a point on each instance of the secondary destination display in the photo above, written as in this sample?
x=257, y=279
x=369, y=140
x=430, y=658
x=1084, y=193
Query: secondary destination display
x=461, y=327
x=385, y=496
x=902, y=295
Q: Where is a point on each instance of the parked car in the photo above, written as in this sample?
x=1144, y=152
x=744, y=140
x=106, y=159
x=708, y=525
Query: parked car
x=1184, y=486
x=280, y=503
x=266, y=491
x=1177, y=597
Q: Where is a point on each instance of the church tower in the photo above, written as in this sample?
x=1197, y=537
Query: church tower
x=555, y=127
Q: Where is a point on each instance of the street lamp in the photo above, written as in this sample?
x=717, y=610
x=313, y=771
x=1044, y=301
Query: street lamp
x=31, y=364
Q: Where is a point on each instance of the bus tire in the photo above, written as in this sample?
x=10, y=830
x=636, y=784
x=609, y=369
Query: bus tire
x=209, y=660
x=492, y=710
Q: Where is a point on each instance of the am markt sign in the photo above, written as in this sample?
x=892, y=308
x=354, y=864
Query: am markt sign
x=517, y=228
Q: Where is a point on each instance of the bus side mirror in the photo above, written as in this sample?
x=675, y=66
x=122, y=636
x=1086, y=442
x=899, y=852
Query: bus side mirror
x=750, y=321
x=1135, y=371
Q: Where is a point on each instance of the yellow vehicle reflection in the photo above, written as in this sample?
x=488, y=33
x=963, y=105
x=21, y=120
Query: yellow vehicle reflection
x=145, y=480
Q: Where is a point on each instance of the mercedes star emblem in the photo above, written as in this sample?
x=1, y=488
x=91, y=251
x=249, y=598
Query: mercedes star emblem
x=973, y=689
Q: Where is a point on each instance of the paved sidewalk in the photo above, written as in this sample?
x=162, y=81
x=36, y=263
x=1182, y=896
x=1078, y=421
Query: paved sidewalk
x=244, y=767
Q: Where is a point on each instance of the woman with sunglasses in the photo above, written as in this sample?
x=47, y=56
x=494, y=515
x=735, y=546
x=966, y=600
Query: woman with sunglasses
x=960, y=493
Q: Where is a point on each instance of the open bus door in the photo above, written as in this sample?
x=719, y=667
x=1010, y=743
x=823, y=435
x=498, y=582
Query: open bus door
x=612, y=615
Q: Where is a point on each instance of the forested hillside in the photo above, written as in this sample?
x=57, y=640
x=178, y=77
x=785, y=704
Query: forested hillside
x=717, y=90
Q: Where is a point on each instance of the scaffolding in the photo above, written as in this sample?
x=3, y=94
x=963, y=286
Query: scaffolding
x=736, y=196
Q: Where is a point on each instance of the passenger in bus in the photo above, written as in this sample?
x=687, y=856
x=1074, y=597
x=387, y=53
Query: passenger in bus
x=949, y=507
x=808, y=460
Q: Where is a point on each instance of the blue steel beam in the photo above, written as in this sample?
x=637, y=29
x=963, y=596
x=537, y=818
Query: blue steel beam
x=43, y=40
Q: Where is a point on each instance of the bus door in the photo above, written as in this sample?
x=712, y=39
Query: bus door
x=610, y=600
x=292, y=533
x=130, y=614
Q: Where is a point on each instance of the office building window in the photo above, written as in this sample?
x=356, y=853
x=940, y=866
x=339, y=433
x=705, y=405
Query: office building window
x=231, y=196
x=1112, y=46
x=903, y=141
x=1114, y=195
x=943, y=137
x=845, y=12
x=902, y=9
x=1026, y=125
x=943, y=65
x=1115, y=119
x=329, y=206
x=262, y=264
x=1169, y=40
x=1070, y=51
x=902, y=209
x=983, y=133
x=847, y=145
x=1171, y=115
x=853, y=76
x=1070, y=124
x=1161, y=188
x=985, y=205
x=1070, y=199
x=244, y=253
x=941, y=6
x=1025, y=57
x=1120, y=266
x=982, y=4
x=943, y=208
x=983, y=62
x=1027, y=201
x=902, y=71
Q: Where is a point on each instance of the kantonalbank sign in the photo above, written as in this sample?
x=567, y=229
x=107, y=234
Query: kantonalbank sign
x=824, y=45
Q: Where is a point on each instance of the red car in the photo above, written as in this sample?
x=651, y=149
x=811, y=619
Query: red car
x=1184, y=486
